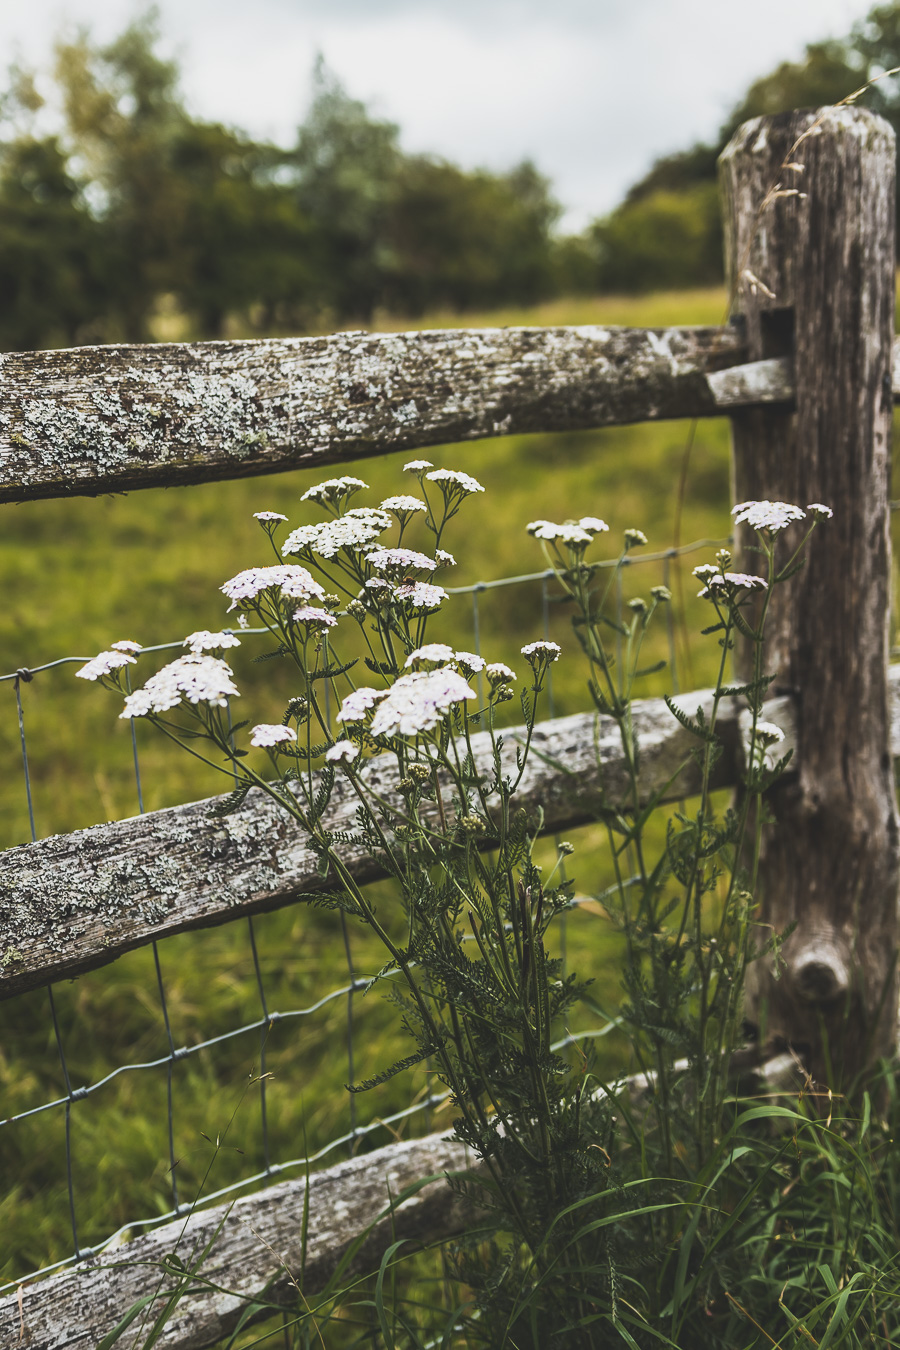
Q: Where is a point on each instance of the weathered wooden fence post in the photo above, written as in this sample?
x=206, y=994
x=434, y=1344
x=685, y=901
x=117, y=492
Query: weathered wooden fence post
x=814, y=278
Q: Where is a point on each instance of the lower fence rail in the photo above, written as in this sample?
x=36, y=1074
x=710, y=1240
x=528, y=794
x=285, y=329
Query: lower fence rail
x=255, y=1250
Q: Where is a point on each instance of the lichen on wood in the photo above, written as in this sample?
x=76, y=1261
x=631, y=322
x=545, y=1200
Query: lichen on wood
x=74, y=902
x=106, y=419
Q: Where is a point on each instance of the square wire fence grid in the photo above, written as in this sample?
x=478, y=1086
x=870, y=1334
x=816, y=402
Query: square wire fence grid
x=70, y=1186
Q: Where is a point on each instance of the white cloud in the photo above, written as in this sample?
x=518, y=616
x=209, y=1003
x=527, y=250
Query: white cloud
x=593, y=90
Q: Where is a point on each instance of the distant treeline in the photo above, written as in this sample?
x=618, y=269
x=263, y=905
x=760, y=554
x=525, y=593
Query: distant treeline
x=133, y=205
x=136, y=204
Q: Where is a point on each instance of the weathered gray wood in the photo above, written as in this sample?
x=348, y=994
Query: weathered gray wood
x=106, y=419
x=74, y=902
x=260, y=1241
x=826, y=264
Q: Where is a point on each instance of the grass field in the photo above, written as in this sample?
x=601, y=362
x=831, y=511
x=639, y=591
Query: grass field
x=79, y=574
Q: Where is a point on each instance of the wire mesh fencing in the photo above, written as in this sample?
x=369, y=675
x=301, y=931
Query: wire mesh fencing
x=217, y=1061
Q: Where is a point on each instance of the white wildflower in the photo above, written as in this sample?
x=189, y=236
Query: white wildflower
x=760, y=748
x=358, y=703
x=771, y=516
x=125, y=646
x=417, y=702
x=569, y=533
x=400, y=560
x=417, y=466
x=266, y=516
x=294, y=582
x=403, y=505
x=314, y=617
x=437, y=653
x=378, y=585
x=451, y=481
x=747, y=581
x=199, y=679
x=498, y=673
x=444, y=559
x=342, y=752
x=104, y=663
x=420, y=595
x=204, y=641
x=634, y=538
x=537, y=652
x=715, y=580
x=594, y=524
x=767, y=733
x=333, y=489
x=266, y=734
x=469, y=662
x=817, y=509
x=352, y=531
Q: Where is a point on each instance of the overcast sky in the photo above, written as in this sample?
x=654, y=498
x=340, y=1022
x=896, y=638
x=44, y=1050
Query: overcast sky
x=592, y=90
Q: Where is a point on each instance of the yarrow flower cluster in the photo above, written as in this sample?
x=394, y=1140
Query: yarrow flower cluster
x=403, y=505
x=498, y=673
x=435, y=653
x=439, y=654
x=417, y=702
x=268, y=516
x=574, y=533
x=760, y=744
x=314, y=617
x=400, y=560
x=333, y=490
x=352, y=531
x=342, y=752
x=541, y=653
x=267, y=735
x=716, y=581
x=770, y=516
x=199, y=679
x=294, y=583
x=205, y=641
x=358, y=704
x=451, y=482
x=420, y=595
x=104, y=663
x=570, y=533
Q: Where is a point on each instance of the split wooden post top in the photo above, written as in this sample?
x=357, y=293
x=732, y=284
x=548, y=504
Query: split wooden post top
x=809, y=210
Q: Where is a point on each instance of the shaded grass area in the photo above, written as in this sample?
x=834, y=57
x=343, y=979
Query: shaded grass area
x=80, y=574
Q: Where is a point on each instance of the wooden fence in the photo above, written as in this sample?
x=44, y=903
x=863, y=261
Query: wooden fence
x=808, y=373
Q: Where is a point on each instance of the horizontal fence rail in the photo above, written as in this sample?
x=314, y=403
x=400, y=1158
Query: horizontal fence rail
x=105, y=419
x=257, y=1246
x=73, y=902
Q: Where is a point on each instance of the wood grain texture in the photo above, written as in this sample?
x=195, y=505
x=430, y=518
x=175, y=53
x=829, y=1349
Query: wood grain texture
x=258, y=1244
x=107, y=419
x=827, y=262
x=73, y=902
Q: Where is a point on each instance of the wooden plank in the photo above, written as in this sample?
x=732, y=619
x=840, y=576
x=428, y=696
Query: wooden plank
x=830, y=873
x=259, y=1242
x=73, y=902
x=106, y=419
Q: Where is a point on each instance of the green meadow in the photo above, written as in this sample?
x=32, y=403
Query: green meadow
x=78, y=575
